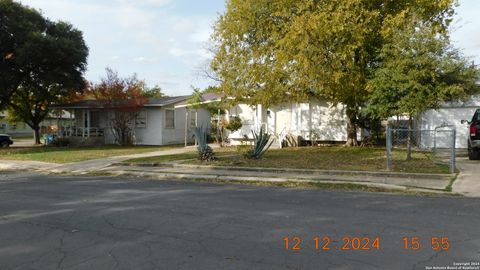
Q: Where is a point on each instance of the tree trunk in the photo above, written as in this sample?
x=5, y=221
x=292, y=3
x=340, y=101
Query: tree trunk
x=36, y=135
x=409, y=138
x=351, y=128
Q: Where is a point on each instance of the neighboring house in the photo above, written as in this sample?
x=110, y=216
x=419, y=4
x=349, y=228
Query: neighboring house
x=48, y=125
x=317, y=121
x=326, y=122
x=451, y=114
x=161, y=121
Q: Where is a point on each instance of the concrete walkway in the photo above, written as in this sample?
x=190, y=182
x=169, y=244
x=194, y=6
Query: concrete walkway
x=402, y=181
x=82, y=167
x=468, y=181
x=25, y=165
x=89, y=166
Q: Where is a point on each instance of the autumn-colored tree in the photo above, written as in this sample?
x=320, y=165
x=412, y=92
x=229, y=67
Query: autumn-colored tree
x=123, y=98
x=269, y=52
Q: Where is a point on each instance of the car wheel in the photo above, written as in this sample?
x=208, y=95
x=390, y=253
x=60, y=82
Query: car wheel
x=5, y=144
x=473, y=153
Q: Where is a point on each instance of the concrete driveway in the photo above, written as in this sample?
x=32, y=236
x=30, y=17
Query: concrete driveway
x=468, y=181
x=24, y=143
x=60, y=222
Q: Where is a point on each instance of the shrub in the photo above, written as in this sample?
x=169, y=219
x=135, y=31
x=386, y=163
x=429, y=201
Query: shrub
x=205, y=152
x=234, y=124
x=60, y=142
x=261, y=144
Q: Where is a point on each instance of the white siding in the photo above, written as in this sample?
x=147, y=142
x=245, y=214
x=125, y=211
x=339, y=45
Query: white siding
x=247, y=115
x=177, y=134
x=450, y=116
x=152, y=133
x=329, y=121
x=324, y=119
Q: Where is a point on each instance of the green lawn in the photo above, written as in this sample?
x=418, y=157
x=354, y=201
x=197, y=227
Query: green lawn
x=73, y=154
x=322, y=158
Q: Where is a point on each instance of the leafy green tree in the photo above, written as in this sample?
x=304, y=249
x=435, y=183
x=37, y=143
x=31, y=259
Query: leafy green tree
x=58, y=59
x=196, y=100
x=154, y=92
x=19, y=28
x=419, y=70
x=271, y=52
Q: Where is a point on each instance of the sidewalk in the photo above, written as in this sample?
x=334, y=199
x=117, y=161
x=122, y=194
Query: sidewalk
x=23, y=165
x=378, y=179
x=468, y=181
x=82, y=167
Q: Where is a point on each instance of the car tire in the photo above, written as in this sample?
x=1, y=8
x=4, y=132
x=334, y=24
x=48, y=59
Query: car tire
x=5, y=144
x=473, y=153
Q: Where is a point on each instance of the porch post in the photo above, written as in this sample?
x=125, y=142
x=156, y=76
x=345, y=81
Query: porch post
x=71, y=122
x=259, y=116
x=196, y=124
x=275, y=123
x=88, y=123
x=196, y=117
x=83, y=123
x=58, y=124
x=186, y=126
x=310, y=121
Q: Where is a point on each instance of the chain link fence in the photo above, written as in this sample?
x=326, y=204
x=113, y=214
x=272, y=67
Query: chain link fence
x=407, y=147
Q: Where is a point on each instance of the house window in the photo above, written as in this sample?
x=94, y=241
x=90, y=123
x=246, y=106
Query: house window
x=141, y=119
x=170, y=118
x=193, y=118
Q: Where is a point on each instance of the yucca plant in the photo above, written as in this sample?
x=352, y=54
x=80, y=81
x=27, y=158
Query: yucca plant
x=205, y=152
x=261, y=144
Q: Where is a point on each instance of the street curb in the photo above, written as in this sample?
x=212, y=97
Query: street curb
x=233, y=179
x=285, y=170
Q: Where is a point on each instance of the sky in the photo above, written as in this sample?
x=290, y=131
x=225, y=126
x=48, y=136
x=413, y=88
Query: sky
x=165, y=42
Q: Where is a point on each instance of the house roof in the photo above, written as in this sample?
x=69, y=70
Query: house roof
x=206, y=98
x=50, y=115
x=102, y=104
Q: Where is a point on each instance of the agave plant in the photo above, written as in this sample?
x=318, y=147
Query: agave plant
x=261, y=144
x=205, y=152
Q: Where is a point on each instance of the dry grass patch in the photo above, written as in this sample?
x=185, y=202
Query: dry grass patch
x=337, y=158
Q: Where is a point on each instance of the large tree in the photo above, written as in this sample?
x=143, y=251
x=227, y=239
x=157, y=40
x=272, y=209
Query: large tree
x=58, y=58
x=419, y=70
x=19, y=26
x=276, y=51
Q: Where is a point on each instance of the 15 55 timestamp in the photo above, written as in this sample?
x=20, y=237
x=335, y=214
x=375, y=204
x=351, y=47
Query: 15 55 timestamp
x=364, y=243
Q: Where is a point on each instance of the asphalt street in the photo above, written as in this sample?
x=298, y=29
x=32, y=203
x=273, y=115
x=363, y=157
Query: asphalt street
x=63, y=222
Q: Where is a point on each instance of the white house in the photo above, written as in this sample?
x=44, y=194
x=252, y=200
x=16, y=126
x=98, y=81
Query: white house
x=49, y=124
x=451, y=114
x=317, y=120
x=324, y=121
x=158, y=122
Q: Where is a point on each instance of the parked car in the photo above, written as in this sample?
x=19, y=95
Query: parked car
x=474, y=136
x=5, y=140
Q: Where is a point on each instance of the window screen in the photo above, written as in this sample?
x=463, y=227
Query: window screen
x=169, y=118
